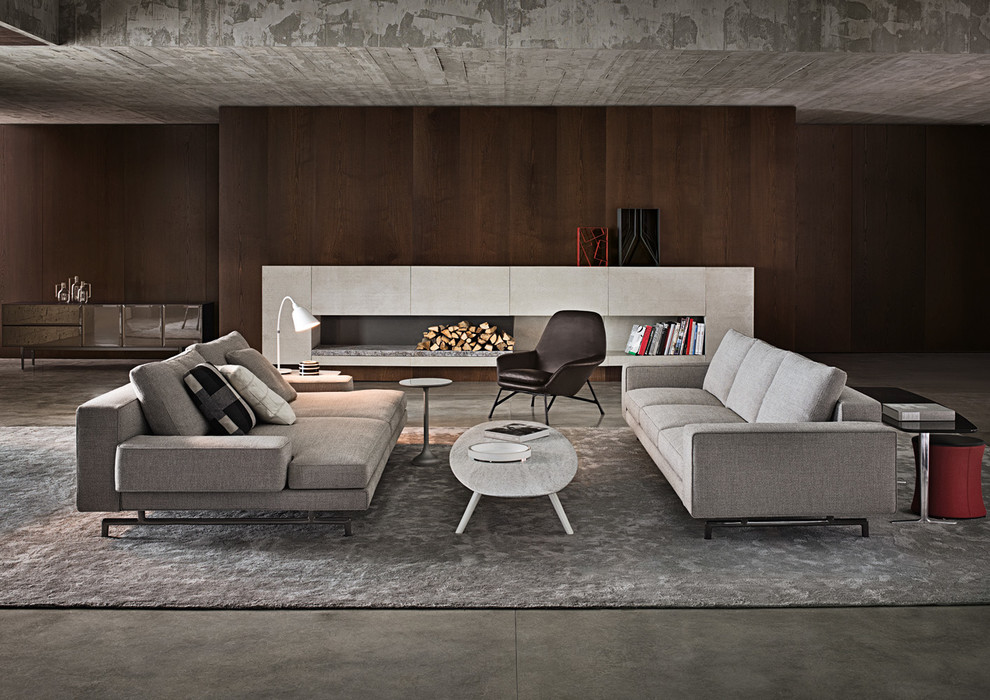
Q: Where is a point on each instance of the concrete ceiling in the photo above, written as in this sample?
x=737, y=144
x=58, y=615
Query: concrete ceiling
x=174, y=61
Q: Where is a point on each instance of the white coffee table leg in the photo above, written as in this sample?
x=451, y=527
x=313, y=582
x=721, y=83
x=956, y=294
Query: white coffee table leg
x=560, y=513
x=468, y=512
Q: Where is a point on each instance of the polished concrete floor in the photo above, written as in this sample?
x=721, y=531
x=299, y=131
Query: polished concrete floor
x=932, y=652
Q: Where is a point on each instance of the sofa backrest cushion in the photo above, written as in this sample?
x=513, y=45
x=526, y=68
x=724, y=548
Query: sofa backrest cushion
x=215, y=351
x=756, y=372
x=166, y=404
x=226, y=412
x=802, y=390
x=264, y=370
x=725, y=363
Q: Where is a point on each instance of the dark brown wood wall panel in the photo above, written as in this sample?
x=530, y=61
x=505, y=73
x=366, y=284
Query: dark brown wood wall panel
x=131, y=209
x=957, y=244
x=244, y=238
x=723, y=179
x=499, y=186
x=82, y=231
x=888, y=239
x=822, y=241
x=165, y=214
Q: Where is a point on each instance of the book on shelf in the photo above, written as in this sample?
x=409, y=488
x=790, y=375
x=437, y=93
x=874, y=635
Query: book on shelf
x=683, y=337
x=918, y=412
x=635, y=339
x=517, y=432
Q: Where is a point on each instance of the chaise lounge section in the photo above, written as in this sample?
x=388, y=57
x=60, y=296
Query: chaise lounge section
x=143, y=446
x=763, y=436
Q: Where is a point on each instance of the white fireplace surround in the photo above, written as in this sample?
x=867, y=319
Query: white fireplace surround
x=622, y=295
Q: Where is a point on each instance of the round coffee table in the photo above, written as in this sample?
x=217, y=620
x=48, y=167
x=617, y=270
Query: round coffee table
x=426, y=457
x=551, y=468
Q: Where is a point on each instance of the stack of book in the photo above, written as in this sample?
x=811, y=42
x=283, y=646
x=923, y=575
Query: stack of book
x=684, y=337
x=919, y=412
x=517, y=432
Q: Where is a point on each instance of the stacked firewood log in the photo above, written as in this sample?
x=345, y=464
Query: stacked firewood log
x=463, y=337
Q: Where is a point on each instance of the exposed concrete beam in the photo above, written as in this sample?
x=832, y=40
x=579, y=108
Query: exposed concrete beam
x=24, y=20
x=867, y=26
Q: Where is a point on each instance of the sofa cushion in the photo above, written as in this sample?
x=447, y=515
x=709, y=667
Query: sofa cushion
x=753, y=379
x=202, y=463
x=264, y=370
x=802, y=390
x=215, y=351
x=167, y=406
x=333, y=453
x=387, y=405
x=654, y=419
x=638, y=399
x=266, y=404
x=225, y=411
x=725, y=364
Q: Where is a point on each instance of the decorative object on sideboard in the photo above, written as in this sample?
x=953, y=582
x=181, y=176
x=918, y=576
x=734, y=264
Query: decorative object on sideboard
x=592, y=246
x=639, y=237
x=302, y=320
x=74, y=291
x=464, y=337
x=309, y=368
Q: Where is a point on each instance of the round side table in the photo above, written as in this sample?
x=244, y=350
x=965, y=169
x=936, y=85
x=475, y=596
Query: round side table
x=425, y=457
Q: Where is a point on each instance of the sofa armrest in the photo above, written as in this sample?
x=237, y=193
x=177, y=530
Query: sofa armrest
x=206, y=463
x=857, y=406
x=103, y=423
x=791, y=469
x=688, y=376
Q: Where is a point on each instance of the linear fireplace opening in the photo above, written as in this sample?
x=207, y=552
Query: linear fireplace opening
x=395, y=335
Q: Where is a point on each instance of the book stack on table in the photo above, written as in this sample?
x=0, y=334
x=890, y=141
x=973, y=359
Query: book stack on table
x=919, y=412
x=517, y=432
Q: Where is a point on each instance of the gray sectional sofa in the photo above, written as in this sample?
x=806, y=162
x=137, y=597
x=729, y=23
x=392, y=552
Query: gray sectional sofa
x=763, y=436
x=144, y=447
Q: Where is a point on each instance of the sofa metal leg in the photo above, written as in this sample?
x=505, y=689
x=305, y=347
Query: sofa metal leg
x=827, y=521
x=142, y=519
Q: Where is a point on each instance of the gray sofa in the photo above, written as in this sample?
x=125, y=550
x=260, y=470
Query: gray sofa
x=763, y=436
x=144, y=447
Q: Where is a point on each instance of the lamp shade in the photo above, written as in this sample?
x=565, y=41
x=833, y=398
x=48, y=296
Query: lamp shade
x=302, y=320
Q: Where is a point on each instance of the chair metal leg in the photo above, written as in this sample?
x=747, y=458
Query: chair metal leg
x=600, y=409
x=532, y=400
x=495, y=404
x=546, y=410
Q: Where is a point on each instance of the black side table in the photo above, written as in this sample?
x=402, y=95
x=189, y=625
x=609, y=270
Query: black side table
x=924, y=430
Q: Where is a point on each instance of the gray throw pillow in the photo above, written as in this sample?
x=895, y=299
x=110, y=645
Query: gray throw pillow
x=226, y=412
x=166, y=404
x=264, y=370
x=215, y=351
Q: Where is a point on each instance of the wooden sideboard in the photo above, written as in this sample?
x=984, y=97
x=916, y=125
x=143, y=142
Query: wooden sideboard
x=131, y=327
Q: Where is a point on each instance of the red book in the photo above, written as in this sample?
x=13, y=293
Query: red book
x=646, y=340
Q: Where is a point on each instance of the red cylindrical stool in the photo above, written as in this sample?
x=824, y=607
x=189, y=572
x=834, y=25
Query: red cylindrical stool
x=954, y=477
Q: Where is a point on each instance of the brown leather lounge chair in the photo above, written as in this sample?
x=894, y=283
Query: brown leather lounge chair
x=572, y=345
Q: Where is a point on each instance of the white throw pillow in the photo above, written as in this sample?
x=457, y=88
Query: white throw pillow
x=267, y=405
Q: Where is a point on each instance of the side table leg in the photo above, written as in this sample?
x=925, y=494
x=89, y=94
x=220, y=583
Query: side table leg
x=560, y=514
x=924, y=465
x=426, y=457
x=468, y=512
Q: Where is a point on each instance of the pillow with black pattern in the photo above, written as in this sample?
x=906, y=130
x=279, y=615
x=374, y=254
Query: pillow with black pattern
x=224, y=409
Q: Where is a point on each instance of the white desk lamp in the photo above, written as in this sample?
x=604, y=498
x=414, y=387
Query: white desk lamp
x=302, y=320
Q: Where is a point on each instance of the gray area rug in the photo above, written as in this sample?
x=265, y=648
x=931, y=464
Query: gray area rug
x=634, y=545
